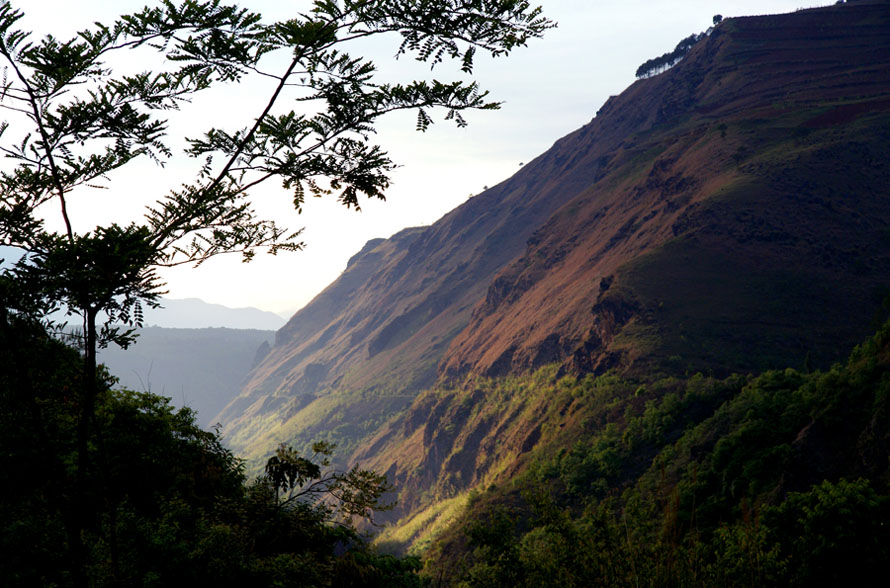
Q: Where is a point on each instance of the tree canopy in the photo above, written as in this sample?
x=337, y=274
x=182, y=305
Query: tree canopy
x=164, y=503
x=73, y=114
x=657, y=65
x=71, y=119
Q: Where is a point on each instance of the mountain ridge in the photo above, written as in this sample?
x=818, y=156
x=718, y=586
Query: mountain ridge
x=647, y=214
x=200, y=368
x=392, y=312
x=194, y=313
x=734, y=257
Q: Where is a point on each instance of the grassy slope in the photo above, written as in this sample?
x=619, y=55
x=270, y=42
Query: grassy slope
x=680, y=182
x=777, y=255
x=731, y=295
x=761, y=154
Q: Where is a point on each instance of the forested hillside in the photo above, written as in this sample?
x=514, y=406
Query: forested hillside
x=107, y=487
x=164, y=502
x=781, y=479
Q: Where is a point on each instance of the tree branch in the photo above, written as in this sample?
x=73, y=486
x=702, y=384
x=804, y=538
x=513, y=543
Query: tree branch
x=38, y=120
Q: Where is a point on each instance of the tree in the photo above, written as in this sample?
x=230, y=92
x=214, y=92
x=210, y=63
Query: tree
x=169, y=501
x=299, y=481
x=72, y=120
x=657, y=65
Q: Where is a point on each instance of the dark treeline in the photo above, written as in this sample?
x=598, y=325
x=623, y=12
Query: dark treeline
x=776, y=480
x=105, y=488
x=657, y=65
x=161, y=502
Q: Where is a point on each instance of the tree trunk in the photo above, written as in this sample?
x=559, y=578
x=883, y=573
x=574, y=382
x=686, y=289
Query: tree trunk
x=82, y=509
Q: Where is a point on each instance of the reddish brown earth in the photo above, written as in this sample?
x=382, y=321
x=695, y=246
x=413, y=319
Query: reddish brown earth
x=730, y=214
x=793, y=186
x=381, y=329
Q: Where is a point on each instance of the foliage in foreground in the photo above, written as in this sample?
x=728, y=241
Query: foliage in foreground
x=166, y=503
x=778, y=480
x=73, y=120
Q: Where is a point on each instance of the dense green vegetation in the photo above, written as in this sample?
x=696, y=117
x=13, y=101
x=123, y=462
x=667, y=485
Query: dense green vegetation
x=163, y=502
x=776, y=480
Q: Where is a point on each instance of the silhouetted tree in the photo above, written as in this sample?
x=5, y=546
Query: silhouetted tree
x=78, y=120
x=660, y=64
x=169, y=504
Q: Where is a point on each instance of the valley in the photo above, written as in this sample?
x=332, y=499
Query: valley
x=656, y=355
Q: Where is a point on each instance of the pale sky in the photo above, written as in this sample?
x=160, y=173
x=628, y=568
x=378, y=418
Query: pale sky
x=549, y=89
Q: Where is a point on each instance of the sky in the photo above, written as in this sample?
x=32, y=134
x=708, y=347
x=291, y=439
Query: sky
x=548, y=89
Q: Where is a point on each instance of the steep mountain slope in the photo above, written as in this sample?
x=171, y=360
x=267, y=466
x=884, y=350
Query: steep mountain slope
x=744, y=195
x=365, y=346
x=729, y=214
x=776, y=480
x=739, y=221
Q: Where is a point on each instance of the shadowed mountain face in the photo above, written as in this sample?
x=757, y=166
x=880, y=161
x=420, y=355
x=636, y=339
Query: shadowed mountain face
x=730, y=214
x=740, y=220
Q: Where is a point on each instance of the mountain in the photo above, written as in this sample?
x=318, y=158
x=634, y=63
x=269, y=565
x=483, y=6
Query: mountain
x=773, y=481
x=193, y=313
x=739, y=222
x=728, y=215
x=194, y=352
x=364, y=347
x=199, y=368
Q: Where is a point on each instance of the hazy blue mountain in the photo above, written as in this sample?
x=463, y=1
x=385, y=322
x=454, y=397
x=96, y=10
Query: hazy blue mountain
x=195, y=352
x=193, y=313
x=186, y=313
x=200, y=368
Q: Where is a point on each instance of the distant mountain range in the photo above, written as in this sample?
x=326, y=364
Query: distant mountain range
x=196, y=353
x=203, y=369
x=193, y=313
